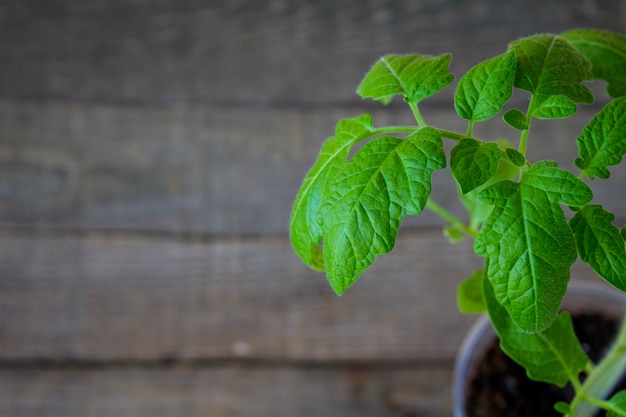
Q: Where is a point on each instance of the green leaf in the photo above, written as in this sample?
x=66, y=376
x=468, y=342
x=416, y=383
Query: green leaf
x=454, y=233
x=469, y=294
x=622, y=232
x=547, y=66
x=618, y=404
x=553, y=355
x=516, y=157
x=603, y=141
x=555, y=107
x=485, y=88
x=600, y=244
x=473, y=162
x=529, y=244
x=365, y=204
x=415, y=77
x=607, y=53
x=479, y=211
x=563, y=407
x=305, y=232
x=516, y=119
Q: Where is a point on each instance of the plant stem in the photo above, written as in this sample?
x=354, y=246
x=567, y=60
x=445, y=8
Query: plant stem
x=446, y=215
x=451, y=135
x=603, y=378
x=522, y=142
x=470, y=128
x=605, y=405
x=418, y=116
x=393, y=129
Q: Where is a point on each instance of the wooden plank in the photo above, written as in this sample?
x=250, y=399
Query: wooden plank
x=193, y=168
x=226, y=392
x=252, y=52
x=99, y=297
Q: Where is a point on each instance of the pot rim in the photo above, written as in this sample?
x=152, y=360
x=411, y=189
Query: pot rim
x=481, y=334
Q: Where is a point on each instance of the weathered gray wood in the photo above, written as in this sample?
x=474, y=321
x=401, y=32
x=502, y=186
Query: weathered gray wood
x=104, y=297
x=193, y=168
x=253, y=51
x=227, y=392
x=195, y=122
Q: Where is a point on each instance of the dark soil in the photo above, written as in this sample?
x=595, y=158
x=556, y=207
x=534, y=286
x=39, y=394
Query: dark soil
x=500, y=387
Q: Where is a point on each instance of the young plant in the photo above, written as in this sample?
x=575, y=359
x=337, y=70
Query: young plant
x=349, y=209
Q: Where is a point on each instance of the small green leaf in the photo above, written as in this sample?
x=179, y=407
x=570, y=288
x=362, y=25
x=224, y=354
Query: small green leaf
x=386, y=180
x=623, y=232
x=602, y=142
x=305, y=232
x=485, y=88
x=600, y=244
x=470, y=294
x=479, y=211
x=547, y=66
x=516, y=119
x=563, y=408
x=473, y=162
x=454, y=234
x=618, y=403
x=515, y=157
x=607, y=53
x=415, y=77
x=558, y=184
x=553, y=355
x=529, y=244
x=555, y=107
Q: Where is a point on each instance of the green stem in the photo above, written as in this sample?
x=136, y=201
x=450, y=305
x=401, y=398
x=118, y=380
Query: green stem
x=605, y=405
x=449, y=217
x=470, y=128
x=522, y=142
x=524, y=137
x=451, y=135
x=393, y=129
x=418, y=116
x=603, y=378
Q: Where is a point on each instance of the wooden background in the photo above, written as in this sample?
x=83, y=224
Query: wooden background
x=150, y=152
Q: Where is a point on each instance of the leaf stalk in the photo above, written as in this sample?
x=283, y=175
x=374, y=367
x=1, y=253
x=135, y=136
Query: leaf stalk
x=602, y=380
x=446, y=215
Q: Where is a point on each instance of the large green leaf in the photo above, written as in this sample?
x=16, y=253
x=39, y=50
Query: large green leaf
x=386, y=180
x=485, y=88
x=600, y=243
x=603, y=141
x=305, y=232
x=547, y=66
x=607, y=53
x=529, y=243
x=415, y=77
x=474, y=162
x=553, y=355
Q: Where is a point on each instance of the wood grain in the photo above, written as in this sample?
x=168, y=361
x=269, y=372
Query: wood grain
x=101, y=298
x=227, y=392
x=193, y=168
x=253, y=51
x=149, y=156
